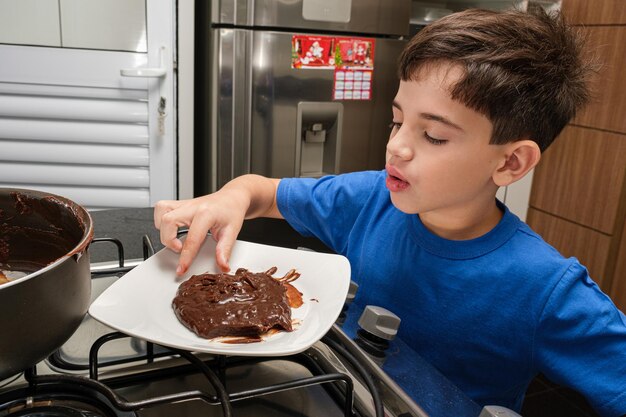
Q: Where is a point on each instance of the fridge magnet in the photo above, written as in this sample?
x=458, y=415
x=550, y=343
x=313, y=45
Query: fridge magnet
x=351, y=58
x=312, y=52
x=354, y=53
x=352, y=84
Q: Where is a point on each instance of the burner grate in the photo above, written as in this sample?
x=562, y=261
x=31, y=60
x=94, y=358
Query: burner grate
x=221, y=396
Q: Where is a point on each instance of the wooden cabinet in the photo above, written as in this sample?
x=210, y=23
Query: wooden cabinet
x=578, y=196
x=581, y=178
x=602, y=12
x=606, y=110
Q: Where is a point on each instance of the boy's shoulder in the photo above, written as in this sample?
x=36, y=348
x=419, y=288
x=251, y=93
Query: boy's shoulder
x=357, y=186
x=530, y=252
x=526, y=237
x=366, y=179
x=362, y=177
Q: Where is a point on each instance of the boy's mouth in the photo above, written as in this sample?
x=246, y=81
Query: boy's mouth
x=394, y=181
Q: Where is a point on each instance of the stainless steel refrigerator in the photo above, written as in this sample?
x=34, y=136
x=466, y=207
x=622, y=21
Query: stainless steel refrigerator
x=265, y=105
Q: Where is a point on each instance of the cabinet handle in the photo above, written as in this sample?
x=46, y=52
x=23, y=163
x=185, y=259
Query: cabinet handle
x=154, y=72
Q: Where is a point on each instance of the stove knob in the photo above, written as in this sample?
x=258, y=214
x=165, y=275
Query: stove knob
x=380, y=322
x=378, y=327
x=352, y=289
x=497, y=411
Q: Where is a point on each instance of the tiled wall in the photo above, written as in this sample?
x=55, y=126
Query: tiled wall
x=91, y=24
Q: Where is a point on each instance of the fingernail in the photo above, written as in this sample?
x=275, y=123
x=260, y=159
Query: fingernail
x=179, y=270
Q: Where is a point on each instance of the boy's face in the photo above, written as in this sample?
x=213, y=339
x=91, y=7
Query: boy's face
x=439, y=160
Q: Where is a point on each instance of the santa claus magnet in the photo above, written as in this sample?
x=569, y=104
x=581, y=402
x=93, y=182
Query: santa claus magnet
x=351, y=58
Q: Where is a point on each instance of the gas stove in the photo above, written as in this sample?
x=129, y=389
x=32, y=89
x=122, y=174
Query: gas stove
x=101, y=372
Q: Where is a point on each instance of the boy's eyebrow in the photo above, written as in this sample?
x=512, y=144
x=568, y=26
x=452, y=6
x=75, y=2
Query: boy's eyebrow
x=431, y=116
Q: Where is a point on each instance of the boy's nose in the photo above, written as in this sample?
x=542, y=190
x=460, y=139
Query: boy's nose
x=396, y=146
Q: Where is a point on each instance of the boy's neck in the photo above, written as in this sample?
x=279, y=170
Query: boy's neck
x=463, y=225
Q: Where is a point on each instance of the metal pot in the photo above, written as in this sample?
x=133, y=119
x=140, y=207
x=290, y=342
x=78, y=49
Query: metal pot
x=43, y=251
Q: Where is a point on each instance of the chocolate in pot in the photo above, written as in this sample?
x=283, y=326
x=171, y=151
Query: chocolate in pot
x=45, y=281
x=35, y=232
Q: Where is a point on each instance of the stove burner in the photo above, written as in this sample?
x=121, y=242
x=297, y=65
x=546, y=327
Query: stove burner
x=54, y=411
x=61, y=398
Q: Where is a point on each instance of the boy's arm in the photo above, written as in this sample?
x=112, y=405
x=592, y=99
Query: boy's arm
x=222, y=213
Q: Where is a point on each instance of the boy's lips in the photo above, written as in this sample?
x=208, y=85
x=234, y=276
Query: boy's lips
x=395, y=182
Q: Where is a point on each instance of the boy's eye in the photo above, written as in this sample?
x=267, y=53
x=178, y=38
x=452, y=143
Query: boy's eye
x=434, y=141
x=395, y=125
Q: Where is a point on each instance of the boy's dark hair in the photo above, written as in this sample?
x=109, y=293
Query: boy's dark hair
x=523, y=70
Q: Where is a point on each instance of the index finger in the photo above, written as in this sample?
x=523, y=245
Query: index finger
x=225, y=241
x=196, y=235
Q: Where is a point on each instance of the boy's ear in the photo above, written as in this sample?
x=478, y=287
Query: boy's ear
x=519, y=158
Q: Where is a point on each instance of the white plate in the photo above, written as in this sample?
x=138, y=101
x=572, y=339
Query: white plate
x=140, y=303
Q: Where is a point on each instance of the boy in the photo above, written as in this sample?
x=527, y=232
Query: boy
x=482, y=297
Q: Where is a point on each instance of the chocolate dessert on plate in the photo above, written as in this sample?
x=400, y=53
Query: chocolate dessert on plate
x=245, y=305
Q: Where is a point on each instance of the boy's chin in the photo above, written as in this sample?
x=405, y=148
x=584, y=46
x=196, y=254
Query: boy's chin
x=404, y=206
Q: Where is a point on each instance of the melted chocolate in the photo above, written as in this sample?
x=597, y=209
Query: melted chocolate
x=244, y=305
x=4, y=246
x=36, y=231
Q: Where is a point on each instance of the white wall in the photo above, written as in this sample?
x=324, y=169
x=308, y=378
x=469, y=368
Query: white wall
x=118, y=25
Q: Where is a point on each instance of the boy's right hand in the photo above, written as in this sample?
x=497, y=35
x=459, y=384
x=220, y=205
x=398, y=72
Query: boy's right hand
x=222, y=213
